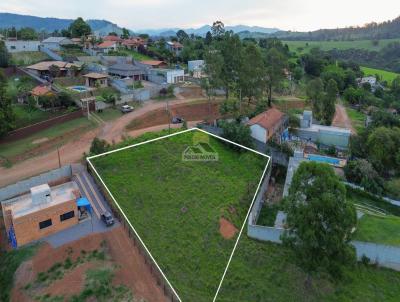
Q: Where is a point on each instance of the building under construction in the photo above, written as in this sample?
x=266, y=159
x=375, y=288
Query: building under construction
x=41, y=212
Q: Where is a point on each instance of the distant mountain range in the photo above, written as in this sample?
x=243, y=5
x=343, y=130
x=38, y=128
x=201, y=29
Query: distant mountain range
x=103, y=27
x=384, y=30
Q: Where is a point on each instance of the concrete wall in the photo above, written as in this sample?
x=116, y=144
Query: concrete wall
x=19, y=46
x=384, y=255
x=27, y=227
x=49, y=51
x=24, y=186
x=264, y=233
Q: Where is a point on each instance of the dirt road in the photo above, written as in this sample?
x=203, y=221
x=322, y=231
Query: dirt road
x=73, y=151
x=341, y=119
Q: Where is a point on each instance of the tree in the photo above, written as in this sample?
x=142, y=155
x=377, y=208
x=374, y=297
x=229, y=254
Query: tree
x=218, y=29
x=5, y=56
x=319, y=219
x=276, y=62
x=182, y=36
x=65, y=99
x=7, y=117
x=315, y=93
x=208, y=38
x=125, y=33
x=98, y=146
x=237, y=133
x=361, y=172
x=329, y=100
x=79, y=28
x=54, y=71
x=383, y=146
x=27, y=33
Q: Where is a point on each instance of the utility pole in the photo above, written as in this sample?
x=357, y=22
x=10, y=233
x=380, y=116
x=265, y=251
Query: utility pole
x=59, y=159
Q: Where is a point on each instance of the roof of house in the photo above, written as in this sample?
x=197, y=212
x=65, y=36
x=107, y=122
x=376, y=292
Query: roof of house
x=268, y=119
x=95, y=75
x=106, y=44
x=132, y=41
x=112, y=38
x=153, y=62
x=54, y=39
x=125, y=67
x=76, y=40
x=40, y=90
x=45, y=65
x=175, y=44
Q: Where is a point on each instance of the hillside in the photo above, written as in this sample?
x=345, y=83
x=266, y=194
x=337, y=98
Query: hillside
x=8, y=20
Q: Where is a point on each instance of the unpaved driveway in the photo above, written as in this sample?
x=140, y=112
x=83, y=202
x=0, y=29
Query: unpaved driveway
x=73, y=151
x=341, y=119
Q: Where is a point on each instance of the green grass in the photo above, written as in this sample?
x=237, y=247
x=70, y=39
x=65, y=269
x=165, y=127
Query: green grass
x=268, y=215
x=175, y=205
x=25, y=117
x=8, y=150
x=357, y=118
x=134, y=54
x=328, y=45
x=384, y=230
x=387, y=76
x=262, y=272
x=28, y=57
x=9, y=262
x=110, y=114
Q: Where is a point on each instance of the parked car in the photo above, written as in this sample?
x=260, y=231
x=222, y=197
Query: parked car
x=126, y=108
x=177, y=120
x=107, y=218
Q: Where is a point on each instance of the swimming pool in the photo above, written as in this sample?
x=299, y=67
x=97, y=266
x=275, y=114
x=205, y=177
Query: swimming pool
x=79, y=88
x=324, y=159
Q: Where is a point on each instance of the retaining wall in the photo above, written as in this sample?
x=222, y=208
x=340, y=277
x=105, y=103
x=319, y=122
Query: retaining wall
x=24, y=186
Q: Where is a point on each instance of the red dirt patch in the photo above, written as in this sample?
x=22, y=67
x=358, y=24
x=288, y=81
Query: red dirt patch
x=130, y=271
x=226, y=228
x=190, y=112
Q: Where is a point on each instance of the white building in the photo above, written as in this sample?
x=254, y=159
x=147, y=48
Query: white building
x=55, y=43
x=19, y=46
x=195, y=65
x=170, y=76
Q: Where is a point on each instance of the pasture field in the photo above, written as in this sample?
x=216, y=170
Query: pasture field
x=387, y=76
x=28, y=57
x=379, y=229
x=328, y=45
x=188, y=213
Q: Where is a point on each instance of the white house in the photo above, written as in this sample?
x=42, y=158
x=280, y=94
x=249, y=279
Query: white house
x=19, y=45
x=174, y=47
x=107, y=46
x=170, y=76
x=55, y=43
x=268, y=125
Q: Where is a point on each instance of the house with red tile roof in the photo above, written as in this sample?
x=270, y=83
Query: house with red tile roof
x=113, y=39
x=107, y=46
x=268, y=125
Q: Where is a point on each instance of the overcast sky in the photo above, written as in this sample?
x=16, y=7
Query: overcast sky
x=301, y=15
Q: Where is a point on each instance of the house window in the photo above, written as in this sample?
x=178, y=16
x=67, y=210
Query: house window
x=45, y=224
x=13, y=47
x=67, y=216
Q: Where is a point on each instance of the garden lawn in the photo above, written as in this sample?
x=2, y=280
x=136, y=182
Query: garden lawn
x=385, y=230
x=387, y=76
x=25, y=116
x=262, y=272
x=175, y=206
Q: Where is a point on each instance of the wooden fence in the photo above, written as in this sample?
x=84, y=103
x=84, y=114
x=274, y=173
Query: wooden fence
x=161, y=281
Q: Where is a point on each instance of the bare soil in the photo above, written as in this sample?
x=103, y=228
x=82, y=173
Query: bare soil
x=341, y=119
x=227, y=229
x=131, y=269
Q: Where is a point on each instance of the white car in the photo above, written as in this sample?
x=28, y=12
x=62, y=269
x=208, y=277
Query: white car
x=126, y=108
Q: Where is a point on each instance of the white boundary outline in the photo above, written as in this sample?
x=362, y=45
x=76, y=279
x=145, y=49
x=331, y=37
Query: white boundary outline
x=140, y=239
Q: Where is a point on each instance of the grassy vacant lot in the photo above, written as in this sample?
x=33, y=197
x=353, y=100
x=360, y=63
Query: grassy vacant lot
x=134, y=54
x=25, y=117
x=327, y=45
x=28, y=57
x=176, y=205
x=9, y=262
x=357, y=118
x=387, y=76
x=261, y=272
